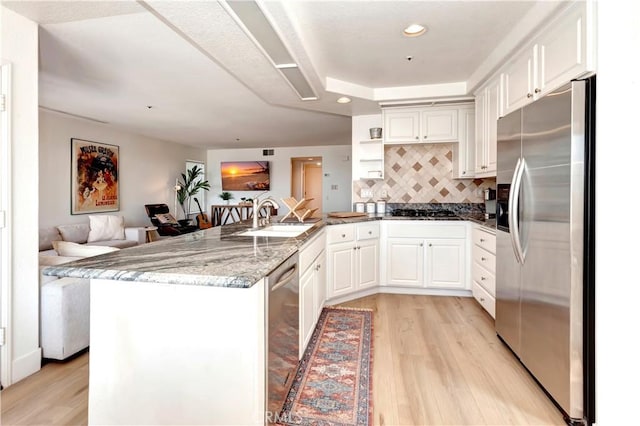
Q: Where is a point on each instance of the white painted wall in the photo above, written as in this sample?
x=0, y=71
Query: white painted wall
x=19, y=46
x=148, y=168
x=336, y=168
x=617, y=154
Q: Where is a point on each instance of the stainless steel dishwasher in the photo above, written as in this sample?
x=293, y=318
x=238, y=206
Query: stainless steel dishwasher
x=282, y=299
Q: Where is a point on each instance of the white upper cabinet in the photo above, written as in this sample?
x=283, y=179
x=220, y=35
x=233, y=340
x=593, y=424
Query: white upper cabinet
x=560, y=52
x=518, y=80
x=420, y=125
x=439, y=125
x=401, y=126
x=464, y=151
x=488, y=109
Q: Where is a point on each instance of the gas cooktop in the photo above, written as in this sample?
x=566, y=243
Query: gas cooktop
x=445, y=214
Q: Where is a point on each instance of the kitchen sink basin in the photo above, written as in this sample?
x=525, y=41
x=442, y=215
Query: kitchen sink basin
x=282, y=231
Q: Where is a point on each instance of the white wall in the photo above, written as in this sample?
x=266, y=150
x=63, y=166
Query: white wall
x=617, y=156
x=19, y=47
x=148, y=168
x=336, y=168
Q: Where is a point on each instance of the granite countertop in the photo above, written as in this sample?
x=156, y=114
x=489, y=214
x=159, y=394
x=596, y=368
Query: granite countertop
x=211, y=257
x=216, y=257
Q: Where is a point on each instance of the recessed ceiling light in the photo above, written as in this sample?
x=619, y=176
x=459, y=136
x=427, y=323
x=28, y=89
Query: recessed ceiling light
x=343, y=100
x=318, y=164
x=414, y=30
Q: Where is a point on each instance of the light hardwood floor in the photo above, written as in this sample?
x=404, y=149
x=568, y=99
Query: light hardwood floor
x=437, y=361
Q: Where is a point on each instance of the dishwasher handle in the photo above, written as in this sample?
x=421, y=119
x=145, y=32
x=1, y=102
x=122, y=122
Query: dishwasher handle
x=285, y=278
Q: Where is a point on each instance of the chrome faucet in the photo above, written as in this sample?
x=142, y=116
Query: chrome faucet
x=257, y=205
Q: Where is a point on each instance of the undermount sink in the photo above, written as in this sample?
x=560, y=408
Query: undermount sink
x=283, y=231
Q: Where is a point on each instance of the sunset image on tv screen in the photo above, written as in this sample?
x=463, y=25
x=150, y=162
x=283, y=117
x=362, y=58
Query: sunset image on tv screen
x=245, y=175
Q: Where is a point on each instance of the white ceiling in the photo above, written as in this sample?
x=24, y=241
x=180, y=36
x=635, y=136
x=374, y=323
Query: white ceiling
x=209, y=84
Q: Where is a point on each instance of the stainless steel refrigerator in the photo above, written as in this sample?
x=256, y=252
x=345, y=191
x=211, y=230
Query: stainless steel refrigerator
x=545, y=244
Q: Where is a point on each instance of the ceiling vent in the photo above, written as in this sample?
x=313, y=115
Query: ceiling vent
x=257, y=26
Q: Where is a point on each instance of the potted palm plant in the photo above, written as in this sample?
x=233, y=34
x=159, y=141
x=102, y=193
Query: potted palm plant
x=189, y=186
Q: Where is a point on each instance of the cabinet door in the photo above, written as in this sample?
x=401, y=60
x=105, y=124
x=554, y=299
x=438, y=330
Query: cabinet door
x=464, y=151
x=494, y=106
x=446, y=263
x=440, y=125
x=405, y=262
x=401, y=126
x=562, y=51
x=307, y=306
x=368, y=263
x=341, y=266
x=321, y=282
x=519, y=81
x=481, y=131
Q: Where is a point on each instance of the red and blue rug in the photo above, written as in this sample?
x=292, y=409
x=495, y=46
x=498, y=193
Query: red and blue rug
x=332, y=386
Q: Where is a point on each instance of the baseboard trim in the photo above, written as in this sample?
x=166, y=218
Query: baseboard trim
x=26, y=365
x=399, y=290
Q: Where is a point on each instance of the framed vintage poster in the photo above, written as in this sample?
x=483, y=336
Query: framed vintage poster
x=95, y=183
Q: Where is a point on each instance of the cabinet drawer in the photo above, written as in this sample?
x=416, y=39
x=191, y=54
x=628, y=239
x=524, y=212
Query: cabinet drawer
x=311, y=251
x=484, y=278
x=484, y=258
x=485, y=299
x=340, y=233
x=484, y=239
x=367, y=231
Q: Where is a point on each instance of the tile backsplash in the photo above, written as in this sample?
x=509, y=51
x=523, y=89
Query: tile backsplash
x=421, y=173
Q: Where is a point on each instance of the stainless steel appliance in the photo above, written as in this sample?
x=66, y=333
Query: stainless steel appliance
x=545, y=245
x=282, y=333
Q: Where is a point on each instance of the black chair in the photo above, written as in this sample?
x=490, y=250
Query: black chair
x=167, y=226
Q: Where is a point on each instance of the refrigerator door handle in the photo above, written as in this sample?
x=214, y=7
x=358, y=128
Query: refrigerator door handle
x=514, y=206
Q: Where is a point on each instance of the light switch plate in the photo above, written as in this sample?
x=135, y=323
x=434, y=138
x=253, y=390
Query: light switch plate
x=366, y=193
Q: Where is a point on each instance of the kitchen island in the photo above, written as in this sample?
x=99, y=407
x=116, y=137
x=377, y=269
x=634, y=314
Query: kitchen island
x=178, y=327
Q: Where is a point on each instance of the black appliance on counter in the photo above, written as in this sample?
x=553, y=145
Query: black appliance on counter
x=448, y=214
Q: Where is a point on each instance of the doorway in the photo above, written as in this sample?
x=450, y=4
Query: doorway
x=306, y=181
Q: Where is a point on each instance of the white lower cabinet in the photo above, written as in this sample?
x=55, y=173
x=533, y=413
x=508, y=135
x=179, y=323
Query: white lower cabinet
x=405, y=260
x=446, y=263
x=353, y=258
x=312, y=283
x=427, y=255
x=483, y=269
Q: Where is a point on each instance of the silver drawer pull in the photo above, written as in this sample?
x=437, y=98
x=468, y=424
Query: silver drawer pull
x=344, y=235
x=483, y=258
x=482, y=240
x=370, y=232
x=482, y=278
x=482, y=299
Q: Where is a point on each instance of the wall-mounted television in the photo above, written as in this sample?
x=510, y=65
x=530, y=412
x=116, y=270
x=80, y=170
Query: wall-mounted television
x=245, y=175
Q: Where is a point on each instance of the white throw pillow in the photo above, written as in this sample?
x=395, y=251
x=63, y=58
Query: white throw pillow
x=105, y=228
x=66, y=248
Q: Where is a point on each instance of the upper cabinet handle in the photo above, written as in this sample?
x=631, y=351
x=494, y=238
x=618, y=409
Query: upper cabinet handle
x=417, y=137
x=537, y=90
x=529, y=95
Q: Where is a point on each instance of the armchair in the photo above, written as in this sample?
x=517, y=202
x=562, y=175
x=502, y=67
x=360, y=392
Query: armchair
x=166, y=228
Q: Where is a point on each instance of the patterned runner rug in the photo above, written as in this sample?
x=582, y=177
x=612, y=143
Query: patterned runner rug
x=333, y=382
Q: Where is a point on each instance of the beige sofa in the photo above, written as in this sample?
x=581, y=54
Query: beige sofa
x=64, y=302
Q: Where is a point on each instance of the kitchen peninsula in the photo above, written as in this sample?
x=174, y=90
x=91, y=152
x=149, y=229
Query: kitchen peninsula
x=178, y=325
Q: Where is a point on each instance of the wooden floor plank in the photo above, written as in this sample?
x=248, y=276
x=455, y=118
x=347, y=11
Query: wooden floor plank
x=437, y=361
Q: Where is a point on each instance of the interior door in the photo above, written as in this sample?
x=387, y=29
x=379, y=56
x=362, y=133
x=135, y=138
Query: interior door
x=312, y=187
